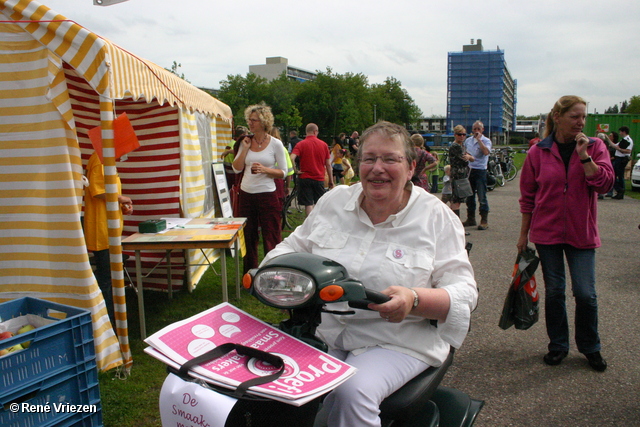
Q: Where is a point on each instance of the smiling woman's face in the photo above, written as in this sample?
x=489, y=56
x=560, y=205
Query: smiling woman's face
x=383, y=181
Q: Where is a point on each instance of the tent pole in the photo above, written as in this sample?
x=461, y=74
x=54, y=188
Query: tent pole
x=113, y=219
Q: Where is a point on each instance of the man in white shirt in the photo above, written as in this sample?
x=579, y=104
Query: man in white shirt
x=624, y=148
x=479, y=146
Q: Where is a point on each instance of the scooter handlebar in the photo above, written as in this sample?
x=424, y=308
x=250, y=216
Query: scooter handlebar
x=371, y=296
x=376, y=297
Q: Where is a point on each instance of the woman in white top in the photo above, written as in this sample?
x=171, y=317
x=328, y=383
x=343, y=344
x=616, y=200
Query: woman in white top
x=404, y=242
x=258, y=156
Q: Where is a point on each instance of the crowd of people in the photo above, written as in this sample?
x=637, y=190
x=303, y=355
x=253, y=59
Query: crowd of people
x=378, y=229
x=260, y=166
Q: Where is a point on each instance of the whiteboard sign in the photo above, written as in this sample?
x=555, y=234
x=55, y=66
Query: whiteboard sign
x=224, y=197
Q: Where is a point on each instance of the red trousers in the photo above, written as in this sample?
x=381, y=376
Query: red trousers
x=264, y=214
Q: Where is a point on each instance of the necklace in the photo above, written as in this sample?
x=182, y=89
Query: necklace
x=263, y=141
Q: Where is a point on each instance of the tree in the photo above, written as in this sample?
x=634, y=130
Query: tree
x=399, y=106
x=281, y=97
x=290, y=119
x=634, y=105
x=623, y=107
x=239, y=92
x=335, y=102
x=175, y=70
x=612, y=110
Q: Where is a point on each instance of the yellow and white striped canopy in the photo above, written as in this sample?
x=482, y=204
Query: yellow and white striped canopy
x=42, y=248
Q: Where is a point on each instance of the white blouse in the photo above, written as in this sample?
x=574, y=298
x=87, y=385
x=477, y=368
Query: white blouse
x=272, y=155
x=421, y=246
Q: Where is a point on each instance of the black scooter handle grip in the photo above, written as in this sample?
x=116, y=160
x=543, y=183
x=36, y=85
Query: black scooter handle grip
x=371, y=297
x=376, y=297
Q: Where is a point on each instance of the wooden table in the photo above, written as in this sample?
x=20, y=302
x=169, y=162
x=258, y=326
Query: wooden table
x=198, y=233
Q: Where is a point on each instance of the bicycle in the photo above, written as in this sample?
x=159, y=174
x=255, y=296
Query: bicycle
x=443, y=160
x=494, y=172
x=290, y=202
x=509, y=169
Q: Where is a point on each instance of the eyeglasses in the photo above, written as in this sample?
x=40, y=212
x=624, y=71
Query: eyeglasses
x=461, y=134
x=387, y=160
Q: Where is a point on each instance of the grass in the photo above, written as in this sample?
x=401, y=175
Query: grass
x=133, y=402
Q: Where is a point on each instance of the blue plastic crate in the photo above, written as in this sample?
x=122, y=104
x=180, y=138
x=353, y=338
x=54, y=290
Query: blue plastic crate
x=55, y=400
x=54, y=348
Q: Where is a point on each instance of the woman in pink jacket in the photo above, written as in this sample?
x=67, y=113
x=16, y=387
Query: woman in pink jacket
x=559, y=185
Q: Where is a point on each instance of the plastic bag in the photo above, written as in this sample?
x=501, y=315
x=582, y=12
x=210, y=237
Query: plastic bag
x=521, y=304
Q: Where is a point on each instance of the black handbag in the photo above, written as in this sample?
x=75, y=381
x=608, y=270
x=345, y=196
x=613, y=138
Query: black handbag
x=461, y=188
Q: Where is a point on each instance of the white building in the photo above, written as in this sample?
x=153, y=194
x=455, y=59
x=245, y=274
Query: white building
x=277, y=65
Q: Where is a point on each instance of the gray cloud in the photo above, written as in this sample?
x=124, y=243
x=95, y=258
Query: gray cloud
x=551, y=47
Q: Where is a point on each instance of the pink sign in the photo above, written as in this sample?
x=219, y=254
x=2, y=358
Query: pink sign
x=307, y=370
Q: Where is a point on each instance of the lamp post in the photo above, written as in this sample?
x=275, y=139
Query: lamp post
x=466, y=109
x=375, y=114
x=489, y=120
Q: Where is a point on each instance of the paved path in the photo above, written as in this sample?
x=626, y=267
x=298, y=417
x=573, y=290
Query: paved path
x=505, y=368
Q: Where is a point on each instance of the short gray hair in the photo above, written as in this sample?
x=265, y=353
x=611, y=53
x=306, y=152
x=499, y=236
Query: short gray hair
x=391, y=131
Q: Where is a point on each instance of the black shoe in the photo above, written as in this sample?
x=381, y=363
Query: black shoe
x=618, y=196
x=554, y=357
x=596, y=361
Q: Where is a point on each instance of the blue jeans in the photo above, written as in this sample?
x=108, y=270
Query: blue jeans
x=619, y=164
x=478, y=180
x=583, y=283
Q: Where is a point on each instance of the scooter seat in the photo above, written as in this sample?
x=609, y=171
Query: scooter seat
x=405, y=402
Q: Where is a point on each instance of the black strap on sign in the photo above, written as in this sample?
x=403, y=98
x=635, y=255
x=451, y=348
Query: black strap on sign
x=242, y=350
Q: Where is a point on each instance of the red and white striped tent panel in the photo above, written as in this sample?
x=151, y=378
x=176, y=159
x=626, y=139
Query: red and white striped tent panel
x=57, y=80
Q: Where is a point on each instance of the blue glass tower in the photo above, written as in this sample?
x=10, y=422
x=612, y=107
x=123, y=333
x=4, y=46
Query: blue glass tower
x=480, y=87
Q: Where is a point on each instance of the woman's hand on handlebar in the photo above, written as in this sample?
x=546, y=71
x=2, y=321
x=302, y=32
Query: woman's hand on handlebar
x=398, y=307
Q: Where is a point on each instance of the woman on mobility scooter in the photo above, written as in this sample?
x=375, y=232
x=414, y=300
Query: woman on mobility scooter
x=404, y=242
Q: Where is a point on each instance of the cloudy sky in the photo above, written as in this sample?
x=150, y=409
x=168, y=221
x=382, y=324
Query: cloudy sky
x=552, y=48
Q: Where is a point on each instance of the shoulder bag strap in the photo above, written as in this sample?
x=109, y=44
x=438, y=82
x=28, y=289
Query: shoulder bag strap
x=223, y=349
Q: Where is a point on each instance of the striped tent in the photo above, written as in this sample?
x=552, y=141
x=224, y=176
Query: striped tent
x=57, y=81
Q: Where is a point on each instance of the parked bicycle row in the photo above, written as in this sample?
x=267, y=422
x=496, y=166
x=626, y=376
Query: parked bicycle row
x=500, y=169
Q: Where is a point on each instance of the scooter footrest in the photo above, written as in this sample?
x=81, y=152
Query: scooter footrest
x=461, y=410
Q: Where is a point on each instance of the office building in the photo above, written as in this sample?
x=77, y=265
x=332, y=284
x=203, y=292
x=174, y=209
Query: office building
x=480, y=87
x=277, y=65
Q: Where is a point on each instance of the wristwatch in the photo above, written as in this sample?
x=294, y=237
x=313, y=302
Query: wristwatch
x=587, y=160
x=416, y=300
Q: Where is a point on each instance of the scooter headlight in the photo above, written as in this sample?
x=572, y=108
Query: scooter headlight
x=284, y=287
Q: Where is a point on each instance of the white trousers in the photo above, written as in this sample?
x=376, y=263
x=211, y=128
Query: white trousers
x=357, y=401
